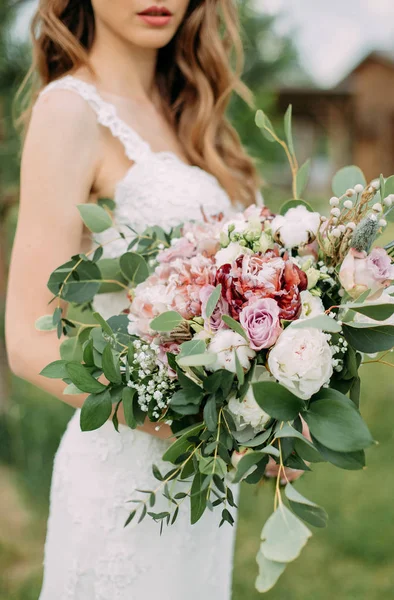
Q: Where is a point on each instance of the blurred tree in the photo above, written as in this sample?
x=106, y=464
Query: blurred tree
x=270, y=60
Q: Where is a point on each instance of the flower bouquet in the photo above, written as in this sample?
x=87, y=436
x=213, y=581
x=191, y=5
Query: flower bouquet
x=244, y=333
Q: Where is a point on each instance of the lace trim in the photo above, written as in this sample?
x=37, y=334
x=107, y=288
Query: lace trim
x=135, y=147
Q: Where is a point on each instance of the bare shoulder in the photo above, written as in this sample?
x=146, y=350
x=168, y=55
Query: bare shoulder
x=65, y=111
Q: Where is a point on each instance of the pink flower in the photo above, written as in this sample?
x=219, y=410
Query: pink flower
x=182, y=248
x=214, y=323
x=260, y=320
x=361, y=272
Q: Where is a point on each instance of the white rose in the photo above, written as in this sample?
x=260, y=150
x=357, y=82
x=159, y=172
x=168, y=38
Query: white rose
x=311, y=305
x=248, y=412
x=230, y=254
x=313, y=276
x=223, y=344
x=301, y=361
x=296, y=227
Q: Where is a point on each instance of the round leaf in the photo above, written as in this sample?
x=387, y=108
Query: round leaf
x=347, y=178
x=95, y=218
x=167, y=321
x=292, y=204
x=81, y=377
x=283, y=536
x=134, y=267
x=45, y=323
x=277, y=401
x=305, y=509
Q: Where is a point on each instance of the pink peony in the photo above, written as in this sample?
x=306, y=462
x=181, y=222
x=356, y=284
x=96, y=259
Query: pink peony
x=182, y=248
x=214, y=323
x=260, y=320
x=361, y=272
x=267, y=275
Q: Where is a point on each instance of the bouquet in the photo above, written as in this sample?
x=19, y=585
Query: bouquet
x=245, y=334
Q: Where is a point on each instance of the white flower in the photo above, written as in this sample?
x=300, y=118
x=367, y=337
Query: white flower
x=224, y=344
x=313, y=276
x=296, y=227
x=301, y=361
x=230, y=254
x=248, y=412
x=311, y=305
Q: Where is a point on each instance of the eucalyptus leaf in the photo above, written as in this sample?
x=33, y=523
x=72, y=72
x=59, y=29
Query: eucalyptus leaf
x=110, y=364
x=45, y=323
x=198, y=498
x=167, y=321
x=307, y=449
x=182, y=444
x=191, y=347
x=80, y=289
x=234, y=325
x=350, y=461
x=197, y=360
x=292, y=204
x=213, y=300
x=128, y=406
x=55, y=370
x=323, y=322
x=288, y=129
x=277, y=401
x=379, y=312
x=263, y=123
x=95, y=217
x=71, y=349
x=302, y=177
x=134, y=267
x=103, y=324
x=369, y=338
x=283, y=536
x=347, y=178
x=269, y=573
x=335, y=422
x=305, y=509
x=110, y=271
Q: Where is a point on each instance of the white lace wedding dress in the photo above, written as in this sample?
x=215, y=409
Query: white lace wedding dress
x=89, y=554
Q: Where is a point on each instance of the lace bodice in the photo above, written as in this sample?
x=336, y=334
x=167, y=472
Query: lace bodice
x=89, y=555
x=158, y=189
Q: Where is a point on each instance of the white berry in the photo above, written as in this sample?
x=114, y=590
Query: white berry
x=358, y=188
x=335, y=212
x=334, y=201
x=348, y=204
x=377, y=207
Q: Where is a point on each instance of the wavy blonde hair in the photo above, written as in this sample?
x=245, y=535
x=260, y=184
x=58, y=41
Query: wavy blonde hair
x=194, y=74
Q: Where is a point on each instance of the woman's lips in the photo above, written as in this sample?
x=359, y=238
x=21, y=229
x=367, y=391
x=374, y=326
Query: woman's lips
x=158, y=20
x=156, y=15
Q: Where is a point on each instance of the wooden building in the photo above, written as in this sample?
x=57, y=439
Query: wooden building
x=351, y=123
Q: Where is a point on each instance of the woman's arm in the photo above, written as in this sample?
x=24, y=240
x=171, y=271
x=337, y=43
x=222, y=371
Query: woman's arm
x=60, y=160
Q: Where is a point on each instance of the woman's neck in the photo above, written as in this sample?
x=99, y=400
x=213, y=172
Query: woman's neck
x=123, y=69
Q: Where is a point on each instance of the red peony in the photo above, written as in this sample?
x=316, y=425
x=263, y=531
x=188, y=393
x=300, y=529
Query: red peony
x=267, y=275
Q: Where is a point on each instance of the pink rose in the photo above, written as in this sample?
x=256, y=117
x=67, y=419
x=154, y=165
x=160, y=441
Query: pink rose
x=260, y=319
x=361, y=272
x=214, y=323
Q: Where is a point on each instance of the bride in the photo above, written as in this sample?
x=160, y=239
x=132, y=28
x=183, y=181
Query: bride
x=131, y=106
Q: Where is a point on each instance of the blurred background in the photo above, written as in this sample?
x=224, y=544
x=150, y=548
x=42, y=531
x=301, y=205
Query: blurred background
x=334, y=61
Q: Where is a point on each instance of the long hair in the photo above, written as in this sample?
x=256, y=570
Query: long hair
x=196, y=74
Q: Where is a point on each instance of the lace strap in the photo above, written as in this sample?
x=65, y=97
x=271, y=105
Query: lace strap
x=135, y=147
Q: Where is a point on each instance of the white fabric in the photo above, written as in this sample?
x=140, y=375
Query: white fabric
x=89, y=555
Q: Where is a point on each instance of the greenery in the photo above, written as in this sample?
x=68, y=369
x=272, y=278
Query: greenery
x=351, y=559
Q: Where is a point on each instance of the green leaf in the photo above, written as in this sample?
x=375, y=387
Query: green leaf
x=108, y=202
x=379, y=312
x=110, y=270
x=249, y=460
x=335, y=422
x=95, y=218
x=213, y=382
x=184, y=397
x=292, y=204
x=197, y=360
x=306, y=448
x=305, y=509
x=347, y=178
x=302, y=177
x=269, y=573
x=351, y=461
x=209, y=465
x=95, y=411
x=323, y=322
x=239, y=369
x=110, y=365
x=103, y=324
x=284, y=536
x=167, y=321
x=134, y=267
x=259, y=439
x=277, y=401
x=210, y=414
x=81, y=377
x=80, y=288
x=198, y=498
x=45, y=323
x=181, y=445
x=263, y=123
x=288, y=129
x=71, y=390
x=192, y=347
x=213, y=300
x=55, y=370
x=235, y=326
x=367, y=338
x=128, y=406
x=70, y=349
